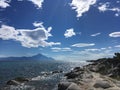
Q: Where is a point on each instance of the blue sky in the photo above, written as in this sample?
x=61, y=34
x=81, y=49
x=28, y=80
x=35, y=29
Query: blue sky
x=69, y=30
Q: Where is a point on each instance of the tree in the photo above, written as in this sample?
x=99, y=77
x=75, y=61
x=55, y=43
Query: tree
x=117, y=56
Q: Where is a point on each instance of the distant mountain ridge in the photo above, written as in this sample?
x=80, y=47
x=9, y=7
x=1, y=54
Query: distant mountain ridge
x=34, y=57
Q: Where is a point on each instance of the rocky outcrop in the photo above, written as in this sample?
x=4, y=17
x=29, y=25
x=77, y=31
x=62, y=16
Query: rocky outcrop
x=57, y=71
x=13, y=82
x=17, y=81
x=102, y=84
x=76, y=72
x=109, y=67
x=73, y=86
x=68, y=86
x=84, y=79
x=101, y=74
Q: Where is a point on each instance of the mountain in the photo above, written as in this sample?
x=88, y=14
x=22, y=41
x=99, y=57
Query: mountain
x=35, y=57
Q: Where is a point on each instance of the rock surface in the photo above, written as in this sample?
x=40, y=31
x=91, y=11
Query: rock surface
x=102, y=84
x=13, y=82
x=101, y=74
x=89, y=81
x=63, y=85
x=73, y=86
x=17, y=81
x=68, y=86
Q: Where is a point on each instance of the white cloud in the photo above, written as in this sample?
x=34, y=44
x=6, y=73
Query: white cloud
x=83, y=44
x=96, y=34
x=57, y=49
x=7, y=32
x=109, y=47
x=117, y=1
x=28, y=38
x=98, y=49
x=38, y=24
x=69, y=33
x=114, y=34
x=93, y=49
x=118, y=46
x=38, y=3
x=4, y=3
x=82, y=6
x=103, y=48
x=106, y=7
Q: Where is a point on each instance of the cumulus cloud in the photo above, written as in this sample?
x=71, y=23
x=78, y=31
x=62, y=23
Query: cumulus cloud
x=69, y=33
x=28, y=38
x=106, y=7
x=38, y=3
x=82, y=6
x=7, y=32
x=114, y=34
x=83, y=44
x=57, y=49
x=96, y=34
x=4, y=3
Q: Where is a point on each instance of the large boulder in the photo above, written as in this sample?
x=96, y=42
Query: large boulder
x=17, y=81
x=73, y=86
x=64, y=85
x=102, y=84
x=68, y=86
x=22, y=79
x=72, y=75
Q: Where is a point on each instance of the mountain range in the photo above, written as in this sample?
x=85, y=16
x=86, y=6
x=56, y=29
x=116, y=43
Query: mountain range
x=34, y=57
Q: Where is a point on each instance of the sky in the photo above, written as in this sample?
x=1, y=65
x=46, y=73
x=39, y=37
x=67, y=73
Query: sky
x=68, y=30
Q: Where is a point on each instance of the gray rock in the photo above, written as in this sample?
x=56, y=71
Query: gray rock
x=21, y=79
x=102, y=84
x=64, y=85
x=68, y=86
x=13, y=82
x=72, y=75
x=17, y=81
x=73, y=86
x=57, y=71
x=76, y=69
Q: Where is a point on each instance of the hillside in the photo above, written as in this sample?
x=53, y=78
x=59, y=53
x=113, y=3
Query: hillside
x=35, y=57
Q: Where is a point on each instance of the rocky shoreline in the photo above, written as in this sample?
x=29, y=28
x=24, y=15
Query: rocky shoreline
x=101, y=74
x=22, y=83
